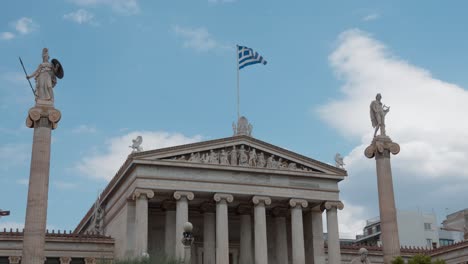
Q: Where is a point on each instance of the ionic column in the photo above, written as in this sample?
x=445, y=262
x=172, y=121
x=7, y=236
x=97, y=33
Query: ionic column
x=182, y=199
x=209, y=234
x=281, y=239
x=43, y=118
x=244, y=212
x=90, y=261
x=222, y=234
x=297, y=230
x=65, y=260
x=313, y=232
x=261, y=248
x=14, y=259
x=170, y=227
x=334, y=254
x=141, y=196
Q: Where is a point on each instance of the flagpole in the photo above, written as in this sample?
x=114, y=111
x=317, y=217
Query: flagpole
x=237, y=56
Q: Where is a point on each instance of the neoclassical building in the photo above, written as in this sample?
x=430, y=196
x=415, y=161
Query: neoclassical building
x=249, y=202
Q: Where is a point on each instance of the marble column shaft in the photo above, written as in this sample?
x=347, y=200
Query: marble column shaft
x=281, y=237
x=313, y=231
x=334, y=254
x=169, y=228
x=209, y=233
x=222, y=227
x=141, y=197
x=246, y=254
x=261, y=247
x=43, y=119
x=182, y=199
x=297, y=230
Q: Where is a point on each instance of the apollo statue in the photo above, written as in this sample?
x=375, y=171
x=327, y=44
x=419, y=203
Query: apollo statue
x=378, y=111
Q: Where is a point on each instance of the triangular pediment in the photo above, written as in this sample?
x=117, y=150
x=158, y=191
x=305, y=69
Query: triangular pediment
x=240, y=151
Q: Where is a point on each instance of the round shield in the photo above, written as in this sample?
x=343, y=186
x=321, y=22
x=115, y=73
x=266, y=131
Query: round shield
x=58, y=69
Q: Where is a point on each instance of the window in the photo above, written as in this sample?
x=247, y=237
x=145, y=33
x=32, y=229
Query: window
x=429, y=242
x=446, y=242
x=378, y=228
x=427, y=226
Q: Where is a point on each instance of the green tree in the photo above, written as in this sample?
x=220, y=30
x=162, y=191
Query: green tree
x=398, y=260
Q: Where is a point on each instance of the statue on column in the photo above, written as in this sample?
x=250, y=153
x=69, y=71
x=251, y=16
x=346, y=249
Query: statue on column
x=362, y=259
x=46, y=76
x=378, y=111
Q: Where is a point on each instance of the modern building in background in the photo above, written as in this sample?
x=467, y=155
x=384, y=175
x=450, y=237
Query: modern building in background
x=457, y=222
x=416, y=229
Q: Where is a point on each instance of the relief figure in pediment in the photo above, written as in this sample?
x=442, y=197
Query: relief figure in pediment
x=205, y=158
x=233, y=155
x=292, y=166
x=243, y=158
x=261, y=160
x=213, y=158
x=252, y=158
x=224, y=158
x=271, y=162
x=194, y=157
x=282, y=164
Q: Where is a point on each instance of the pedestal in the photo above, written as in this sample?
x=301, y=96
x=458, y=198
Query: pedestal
x=43, y=118
x=380, y=148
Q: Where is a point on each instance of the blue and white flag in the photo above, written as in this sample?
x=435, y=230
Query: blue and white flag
x=248, y=57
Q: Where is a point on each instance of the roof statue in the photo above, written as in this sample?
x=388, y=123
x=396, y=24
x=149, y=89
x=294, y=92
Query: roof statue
x=339, y=161
x=362, y=259
x=378, y=111
x=243, y=127
x=46, y=76
x=136, y=146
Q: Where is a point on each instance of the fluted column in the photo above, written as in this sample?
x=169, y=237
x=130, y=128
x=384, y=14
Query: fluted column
x=65, y=260
x=222, y=227
x=297, y=230
x=141, y=196
x=14, y=259
x=261, y=248
x=281, y=238
x=182, y=199
x=334, y=254
x=209, y=235
x=246, y=254
x=43, y=118
x=169, y=228
x=313, y=232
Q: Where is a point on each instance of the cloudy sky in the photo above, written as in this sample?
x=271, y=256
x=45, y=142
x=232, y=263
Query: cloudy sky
x=166, y=70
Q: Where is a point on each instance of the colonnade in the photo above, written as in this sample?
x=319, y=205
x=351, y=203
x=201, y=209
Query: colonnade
x=306, y=229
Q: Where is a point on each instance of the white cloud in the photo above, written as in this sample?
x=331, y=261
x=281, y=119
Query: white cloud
x=105, y=165
x=12, y=155
x=25, y=25
x=22, y=181
x=351, y=220
x=124, y=7
x=84, y=129
x=371, y=17
x=198, y=39
x=80, y=16
x=426, y=119
x=7, y=36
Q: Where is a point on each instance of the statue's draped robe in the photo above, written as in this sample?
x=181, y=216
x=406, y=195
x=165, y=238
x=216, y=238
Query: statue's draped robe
x=45, y=81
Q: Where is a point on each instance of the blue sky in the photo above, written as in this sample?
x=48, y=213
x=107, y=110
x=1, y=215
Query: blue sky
x=167, y=70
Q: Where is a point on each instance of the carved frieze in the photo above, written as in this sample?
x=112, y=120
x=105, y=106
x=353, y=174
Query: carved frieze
x=241, y=155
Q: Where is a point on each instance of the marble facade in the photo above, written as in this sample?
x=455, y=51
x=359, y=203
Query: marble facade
x=262, y=205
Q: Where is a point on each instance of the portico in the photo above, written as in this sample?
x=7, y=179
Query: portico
x=269, y=211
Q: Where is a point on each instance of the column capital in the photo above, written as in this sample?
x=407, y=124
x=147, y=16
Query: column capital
x=328, y=205
x=208, y=207
x=280, y=211
x=14, y=259
x=168, y=205
x=90, y=261
x=244, y=209
x=143, y=193
x=298, y=203
x=223, y=196
x=381, y=146
x=65, y=260
x=261, y=199
x=35, y=114
x=180, y=194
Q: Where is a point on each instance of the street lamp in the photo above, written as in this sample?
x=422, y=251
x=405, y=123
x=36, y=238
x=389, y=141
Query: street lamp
x=4, y=213
x=187, y=240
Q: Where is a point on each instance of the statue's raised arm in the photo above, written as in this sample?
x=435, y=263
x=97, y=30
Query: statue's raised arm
x=377, y=115
x=46, y=76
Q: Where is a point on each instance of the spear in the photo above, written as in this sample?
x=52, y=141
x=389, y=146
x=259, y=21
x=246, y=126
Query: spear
x=30, y=85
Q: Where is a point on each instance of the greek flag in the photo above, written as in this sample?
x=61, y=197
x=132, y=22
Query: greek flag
x=248, y=57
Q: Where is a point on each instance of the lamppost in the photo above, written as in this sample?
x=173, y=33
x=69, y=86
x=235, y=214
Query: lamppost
x=4, y=213
x=187, y=240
